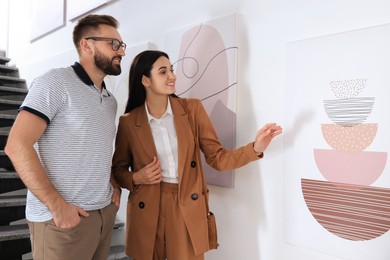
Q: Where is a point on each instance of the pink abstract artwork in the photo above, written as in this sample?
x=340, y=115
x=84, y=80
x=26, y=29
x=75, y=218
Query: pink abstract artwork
x=348, y=169
x=337, y=179
x=205, y=67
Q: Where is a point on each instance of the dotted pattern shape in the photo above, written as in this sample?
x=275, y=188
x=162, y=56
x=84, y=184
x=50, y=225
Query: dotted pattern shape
x=348, y=88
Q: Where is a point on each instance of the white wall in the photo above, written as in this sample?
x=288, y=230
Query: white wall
x=3, y=24
x=250, y=216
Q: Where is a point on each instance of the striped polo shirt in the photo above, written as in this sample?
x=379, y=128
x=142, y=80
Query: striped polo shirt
x=76, y=147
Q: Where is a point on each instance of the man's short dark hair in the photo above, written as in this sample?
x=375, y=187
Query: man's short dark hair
x=90, y=23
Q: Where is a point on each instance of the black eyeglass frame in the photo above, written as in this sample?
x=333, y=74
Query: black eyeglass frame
x=113, y=40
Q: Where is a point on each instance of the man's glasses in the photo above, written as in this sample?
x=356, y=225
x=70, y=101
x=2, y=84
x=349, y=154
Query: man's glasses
x=115, y=44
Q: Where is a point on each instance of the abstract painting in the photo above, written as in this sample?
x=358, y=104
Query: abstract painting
x=337, y=178
x=204, y=56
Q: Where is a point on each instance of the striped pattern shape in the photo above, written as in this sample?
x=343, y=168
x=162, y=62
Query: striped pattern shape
x=349, y=211
x=349, y=111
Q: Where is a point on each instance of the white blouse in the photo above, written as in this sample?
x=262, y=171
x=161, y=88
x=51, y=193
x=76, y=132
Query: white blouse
x=165, y=139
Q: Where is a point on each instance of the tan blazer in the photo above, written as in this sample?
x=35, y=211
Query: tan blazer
x=135, y=148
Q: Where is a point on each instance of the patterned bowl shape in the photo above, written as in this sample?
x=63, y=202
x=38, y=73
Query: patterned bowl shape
x=348, y=211
x=354, y=138
x=348, y=88
x=349, y=111
x=359, y=168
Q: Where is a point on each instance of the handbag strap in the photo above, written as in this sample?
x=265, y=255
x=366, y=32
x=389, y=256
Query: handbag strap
x=205, y=189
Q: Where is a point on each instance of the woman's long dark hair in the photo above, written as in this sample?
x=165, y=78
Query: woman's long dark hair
x=141, y=65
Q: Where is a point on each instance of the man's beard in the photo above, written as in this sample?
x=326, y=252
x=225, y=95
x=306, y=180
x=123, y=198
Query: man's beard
x=105, y=64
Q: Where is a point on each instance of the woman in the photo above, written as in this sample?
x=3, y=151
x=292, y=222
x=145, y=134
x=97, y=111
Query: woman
x=157, y=158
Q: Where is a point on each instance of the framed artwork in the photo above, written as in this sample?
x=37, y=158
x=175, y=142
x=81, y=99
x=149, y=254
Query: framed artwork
x=47, y=16
x=337, y=175
x=76, y=8
x=204, y=56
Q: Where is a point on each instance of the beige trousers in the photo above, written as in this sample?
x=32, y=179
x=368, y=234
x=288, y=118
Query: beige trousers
x=172, y=239
x=90, y=240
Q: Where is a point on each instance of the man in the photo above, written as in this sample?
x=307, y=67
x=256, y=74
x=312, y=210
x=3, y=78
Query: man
x=61, y=146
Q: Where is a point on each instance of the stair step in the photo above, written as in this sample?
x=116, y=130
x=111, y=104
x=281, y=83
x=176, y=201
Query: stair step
x=12, y=208
x=14, y=241
x=4, y=60
x=8, y=114
x=8, y=68
x=11, y=89
x=12, y=201
x=6, y=174
x=10, y=181
x=4, y=132
x=6, y=122
x=3, y=141
x=15, y=249
x=7, y=79
x=13, y=232
x=5, y=162
x=12, y=100
x=117, y=253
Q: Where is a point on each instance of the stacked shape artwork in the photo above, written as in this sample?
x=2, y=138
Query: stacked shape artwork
x=347, y=204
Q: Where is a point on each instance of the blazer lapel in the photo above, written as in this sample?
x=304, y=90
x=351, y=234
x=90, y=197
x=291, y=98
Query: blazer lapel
x=144, y=133
x=183, y=133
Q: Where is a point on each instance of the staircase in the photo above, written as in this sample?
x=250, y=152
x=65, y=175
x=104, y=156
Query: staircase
x=14, y=233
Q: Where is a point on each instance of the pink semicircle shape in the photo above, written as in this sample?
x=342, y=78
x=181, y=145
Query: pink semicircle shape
x=354, y=138
x=360, y=168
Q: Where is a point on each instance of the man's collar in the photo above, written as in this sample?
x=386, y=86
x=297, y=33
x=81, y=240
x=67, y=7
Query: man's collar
x=82, y=74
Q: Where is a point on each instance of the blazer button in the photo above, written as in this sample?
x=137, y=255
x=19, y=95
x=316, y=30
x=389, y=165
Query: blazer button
x=194, y=196
x=193, y=164
x=141, y=205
